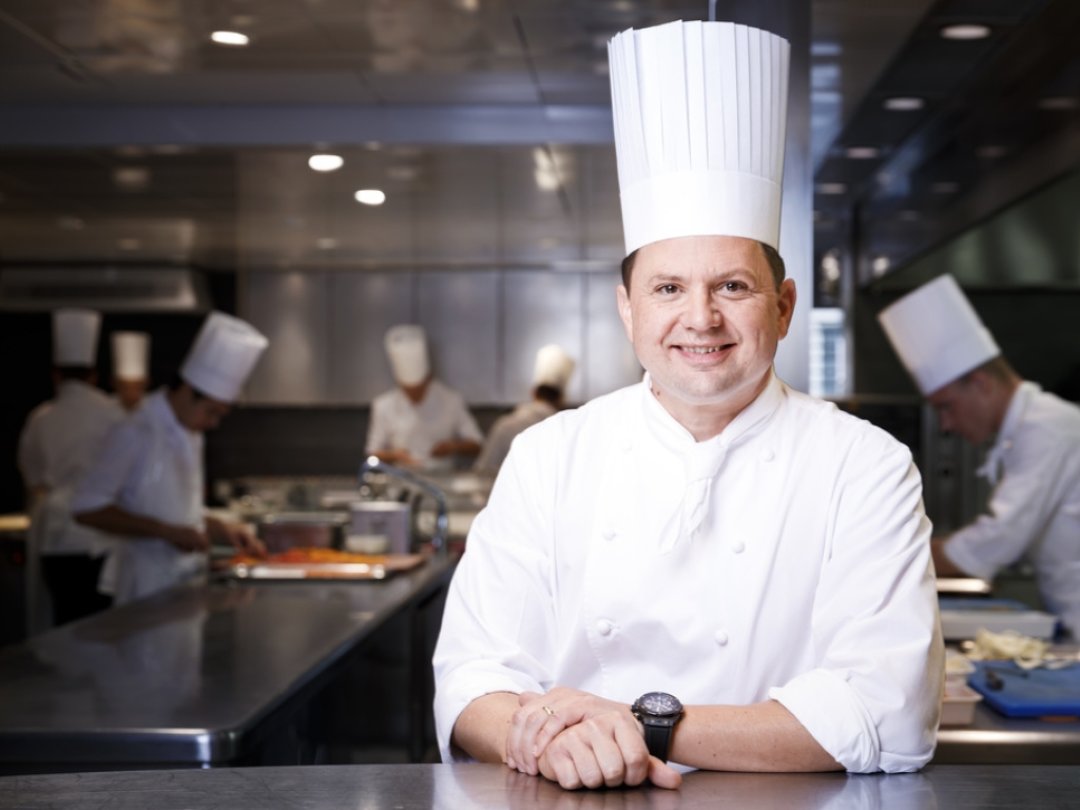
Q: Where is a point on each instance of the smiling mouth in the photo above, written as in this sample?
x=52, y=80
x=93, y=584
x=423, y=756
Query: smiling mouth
x=704, y=350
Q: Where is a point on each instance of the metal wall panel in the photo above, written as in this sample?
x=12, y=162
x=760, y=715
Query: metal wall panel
x=460, y=312
x=457, y=206
x=540, y=308
x=362, y=307
x=610, y=362
x=290, y=309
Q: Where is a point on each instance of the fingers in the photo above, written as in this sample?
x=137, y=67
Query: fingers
x=663, y=775
x=523, y=739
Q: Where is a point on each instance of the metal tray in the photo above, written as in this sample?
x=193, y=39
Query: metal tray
x=269, y=571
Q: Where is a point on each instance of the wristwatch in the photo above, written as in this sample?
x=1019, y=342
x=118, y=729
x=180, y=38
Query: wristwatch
x=658, y=712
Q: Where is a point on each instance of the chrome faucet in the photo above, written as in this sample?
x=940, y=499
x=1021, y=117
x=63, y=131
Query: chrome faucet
x=442, y=516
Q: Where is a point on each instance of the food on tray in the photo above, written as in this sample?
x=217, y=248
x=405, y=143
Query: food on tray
x=310, y=555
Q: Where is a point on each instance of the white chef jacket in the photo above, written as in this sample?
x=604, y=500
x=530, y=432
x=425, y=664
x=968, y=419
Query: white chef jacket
x=502, y=433
x=1034, y=509
x=786, y=558
x=396, y=423
x=152, y=466
x=60, y=440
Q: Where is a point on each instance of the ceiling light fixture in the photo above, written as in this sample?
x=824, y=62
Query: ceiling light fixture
x=831, y=188
x=903, y=103
x=862, y=152
x=966, y=31
x=370, y=196
x=234, y=38
x=325, y=162
x=326, y=243
x=131, y=178
x=880, y=265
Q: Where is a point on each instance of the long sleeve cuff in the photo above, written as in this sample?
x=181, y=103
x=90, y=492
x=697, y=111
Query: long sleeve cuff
x=457, y=691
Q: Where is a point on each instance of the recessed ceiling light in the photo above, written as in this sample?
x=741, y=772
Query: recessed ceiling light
x=831, y=188
x=862, y=152
x=992, y=151
x=880, y=265
x=131, y=178
x=326, y=243
x=234, y=38
x=325, y=162
x=903, y=103
x=370, y=196
x=1058, y=103
x=966, y=31
x=945, y=187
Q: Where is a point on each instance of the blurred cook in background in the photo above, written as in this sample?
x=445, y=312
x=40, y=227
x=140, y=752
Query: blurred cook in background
x=551, y=374
x=146, y=488
x=59, y=441
x=131, y=377
x=1034, y=462
x=422, y=422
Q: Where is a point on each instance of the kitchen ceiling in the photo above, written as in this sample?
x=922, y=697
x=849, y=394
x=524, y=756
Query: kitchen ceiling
x=127, y=136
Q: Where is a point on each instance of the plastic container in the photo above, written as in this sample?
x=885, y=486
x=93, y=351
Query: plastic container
x=958, y=704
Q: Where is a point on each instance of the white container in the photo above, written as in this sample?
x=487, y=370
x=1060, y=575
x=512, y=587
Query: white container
x=958, y=704
x=389, y=519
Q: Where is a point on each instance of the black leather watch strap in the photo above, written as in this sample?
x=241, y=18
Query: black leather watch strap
x=658, y=739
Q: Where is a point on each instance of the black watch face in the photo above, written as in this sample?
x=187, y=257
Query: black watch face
x=659, y=703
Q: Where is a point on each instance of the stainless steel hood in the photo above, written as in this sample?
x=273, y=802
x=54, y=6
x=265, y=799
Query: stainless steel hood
x=106, y=289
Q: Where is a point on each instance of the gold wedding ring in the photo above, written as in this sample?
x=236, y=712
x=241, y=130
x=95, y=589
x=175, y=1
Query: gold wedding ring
x=550, y=712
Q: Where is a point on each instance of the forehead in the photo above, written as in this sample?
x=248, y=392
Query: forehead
x=702, y=253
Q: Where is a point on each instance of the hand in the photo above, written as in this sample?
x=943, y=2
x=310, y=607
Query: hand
x=444, y=448
x=243, y=539
x=578, y=739
x=186, y=538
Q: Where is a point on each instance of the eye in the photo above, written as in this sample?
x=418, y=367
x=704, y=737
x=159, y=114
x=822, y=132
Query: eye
x=734, y=287
x=667, y=289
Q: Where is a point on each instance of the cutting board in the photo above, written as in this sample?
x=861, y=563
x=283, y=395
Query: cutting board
x=1041, y=693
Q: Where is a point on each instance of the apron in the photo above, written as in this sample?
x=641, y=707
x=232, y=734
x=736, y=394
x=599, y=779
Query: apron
x=168, y=487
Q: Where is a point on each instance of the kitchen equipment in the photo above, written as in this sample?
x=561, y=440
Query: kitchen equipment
x=958, y=704
x=280, y=531
x=373, y=567
x=963, y=618
x=1017, y=692
x=390, y=519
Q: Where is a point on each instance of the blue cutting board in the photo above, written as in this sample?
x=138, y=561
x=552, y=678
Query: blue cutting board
x=1041, y=693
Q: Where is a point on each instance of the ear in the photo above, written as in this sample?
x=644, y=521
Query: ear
x=785, y=303
x=626, y=315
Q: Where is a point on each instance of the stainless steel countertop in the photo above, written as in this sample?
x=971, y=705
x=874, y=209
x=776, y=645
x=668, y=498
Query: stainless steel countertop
x=453, y=787
x=994, y=738
x=184, y=675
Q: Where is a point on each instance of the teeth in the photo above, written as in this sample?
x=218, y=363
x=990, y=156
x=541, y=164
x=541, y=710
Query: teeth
x=701, y=349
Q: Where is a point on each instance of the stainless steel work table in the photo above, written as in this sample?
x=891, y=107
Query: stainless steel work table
x=456, y=787
x=193, y=676
x=993, y=738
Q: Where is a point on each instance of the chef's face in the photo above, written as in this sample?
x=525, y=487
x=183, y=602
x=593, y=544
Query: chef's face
x=199, y=412
x=965, y=407
x=705, y=316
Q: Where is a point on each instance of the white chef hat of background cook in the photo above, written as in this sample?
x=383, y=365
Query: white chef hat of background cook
x=553, y=367
x=700, y=113
x=937, y=334
x=131, y=355
x=406, y=347
x=75, y=337
x=222, y=356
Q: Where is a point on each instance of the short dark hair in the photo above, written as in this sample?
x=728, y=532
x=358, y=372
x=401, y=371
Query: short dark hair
x=549, y=394
x=775, y=260
x=175, y=381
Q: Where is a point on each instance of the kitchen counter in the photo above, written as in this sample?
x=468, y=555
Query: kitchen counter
x=193, y=676
x=450, y=787
x=993, y=738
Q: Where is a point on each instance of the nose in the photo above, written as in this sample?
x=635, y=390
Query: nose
x=702, y=311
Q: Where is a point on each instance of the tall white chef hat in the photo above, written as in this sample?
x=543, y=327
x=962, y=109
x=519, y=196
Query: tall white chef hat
x=700, y=112
x=553, y=367
x=937, y=334
x=131, y=353
x=75, y=337
x=406, y=346
x=222, y=356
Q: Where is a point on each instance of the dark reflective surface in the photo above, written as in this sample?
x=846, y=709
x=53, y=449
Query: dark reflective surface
x=454, y=787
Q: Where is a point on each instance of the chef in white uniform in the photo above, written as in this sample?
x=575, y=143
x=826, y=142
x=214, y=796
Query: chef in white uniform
x=551, y=373
x=1033, y=463
x=147, y=487
x=421, y=422
x=707, y=567
x=59, y=441
x=131, y=377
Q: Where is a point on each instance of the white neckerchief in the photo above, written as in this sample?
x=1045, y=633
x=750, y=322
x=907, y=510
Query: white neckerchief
x=702, y=460
x=1014, y=415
